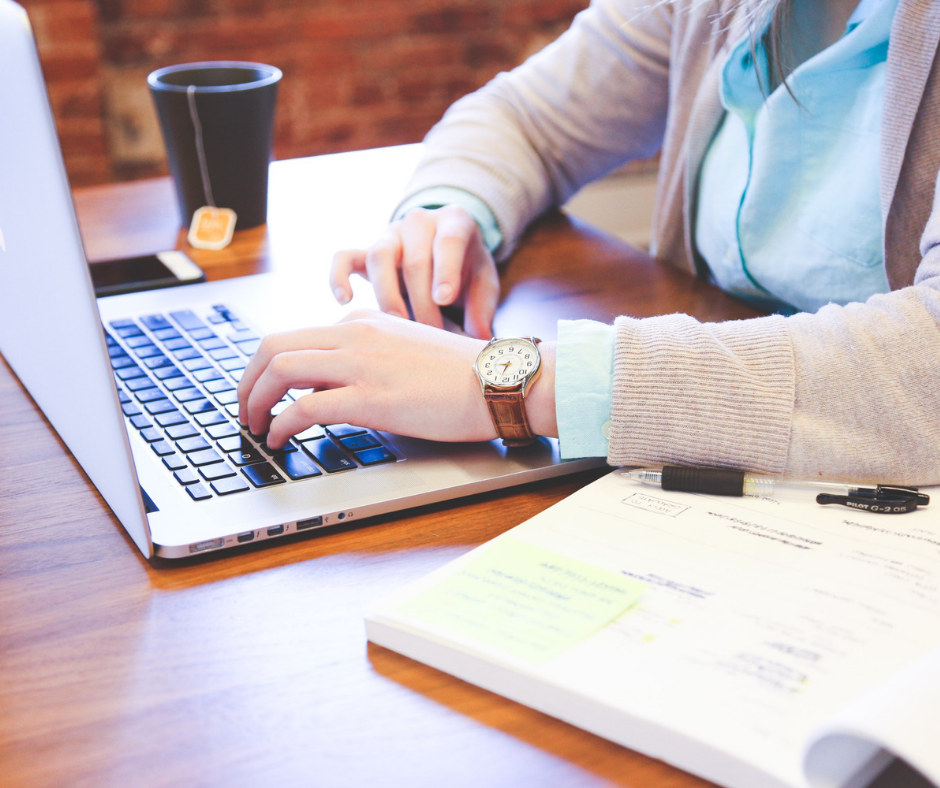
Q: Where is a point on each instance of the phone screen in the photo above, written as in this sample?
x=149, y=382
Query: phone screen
x=148, y=272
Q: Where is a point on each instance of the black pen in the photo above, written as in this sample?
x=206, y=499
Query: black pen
x=881, y=498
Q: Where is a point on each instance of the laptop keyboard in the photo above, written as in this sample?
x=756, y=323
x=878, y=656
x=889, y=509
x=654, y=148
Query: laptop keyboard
x=177, y=376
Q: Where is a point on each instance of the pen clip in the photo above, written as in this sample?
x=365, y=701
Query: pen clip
x=877, y=501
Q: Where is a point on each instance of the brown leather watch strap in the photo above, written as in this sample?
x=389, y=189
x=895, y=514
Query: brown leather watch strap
x=509, y=417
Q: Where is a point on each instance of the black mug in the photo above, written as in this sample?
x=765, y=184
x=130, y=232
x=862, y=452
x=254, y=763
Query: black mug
x=217, y=120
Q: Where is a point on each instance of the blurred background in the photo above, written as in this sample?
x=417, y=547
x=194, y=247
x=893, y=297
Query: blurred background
x=357, y=74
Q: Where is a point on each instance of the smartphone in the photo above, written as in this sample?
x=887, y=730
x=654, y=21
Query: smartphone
x=148, y=272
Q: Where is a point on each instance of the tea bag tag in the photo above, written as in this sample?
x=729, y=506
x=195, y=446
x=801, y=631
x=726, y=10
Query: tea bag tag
x=211, y=227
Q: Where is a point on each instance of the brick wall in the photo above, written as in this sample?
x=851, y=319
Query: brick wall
x=357, y=73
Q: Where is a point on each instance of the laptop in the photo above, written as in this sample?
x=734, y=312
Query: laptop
x=141, y=387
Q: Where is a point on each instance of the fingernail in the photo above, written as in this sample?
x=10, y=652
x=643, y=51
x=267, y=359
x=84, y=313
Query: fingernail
x=442, y=294
x=340, y=295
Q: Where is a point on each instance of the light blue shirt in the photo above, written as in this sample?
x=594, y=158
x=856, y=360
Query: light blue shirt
x=788, y=213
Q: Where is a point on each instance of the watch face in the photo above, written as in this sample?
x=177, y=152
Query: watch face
x=508, y=362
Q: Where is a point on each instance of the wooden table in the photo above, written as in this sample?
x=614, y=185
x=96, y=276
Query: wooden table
x=252, y=668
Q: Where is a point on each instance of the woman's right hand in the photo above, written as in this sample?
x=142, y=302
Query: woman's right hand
x=435, y=258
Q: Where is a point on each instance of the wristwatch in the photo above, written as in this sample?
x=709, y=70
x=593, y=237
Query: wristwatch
x=506, y=369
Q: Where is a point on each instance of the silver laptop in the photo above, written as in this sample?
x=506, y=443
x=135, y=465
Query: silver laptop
x=141, y=387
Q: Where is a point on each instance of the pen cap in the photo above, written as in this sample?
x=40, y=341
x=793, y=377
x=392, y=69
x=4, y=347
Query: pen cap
x=712, y=481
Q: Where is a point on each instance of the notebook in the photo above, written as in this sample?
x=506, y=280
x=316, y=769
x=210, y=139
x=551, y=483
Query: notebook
x=140, y=387
x=751, y=641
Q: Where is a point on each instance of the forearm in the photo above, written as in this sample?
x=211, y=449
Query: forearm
x=846, y=393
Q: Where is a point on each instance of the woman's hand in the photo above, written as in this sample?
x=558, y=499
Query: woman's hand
x=438, y=258
x=371, y=370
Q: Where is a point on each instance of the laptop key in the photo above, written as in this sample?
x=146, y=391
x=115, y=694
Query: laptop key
x=218, y=471
x=149, y=395
x=180, y=431
x=297, y=465
x=250, y=347
x=157, y=361
x=167, y=334
x=234, y=441
x=159, y=406
x=375, y=456
x=155, y=322
x=232, y=484
x=162, y=448
x=232, y=409
x=176, y=343
x=201, y=333
x=151, y=434
x=181, y=382
x=208, y=419
x=131, y=409
x=188, y=395
x=247, y=455
x=219, y=385
x=147, y=350
x=119, y=362
x=124, y=322
x=187, y=319
x=199, y=406
x=227, y=397
x=222, y=431
x=127, y=373
x=140, y=421
x=231, y=364
x=198, y=492
x=186, y=353
x=170, y=418
x=327, y=453
x=165, y=373
x=236, y=374
x=195, y=364
x=222, y=353
x=204, y=375
x=204, y=457
x=263, y=474
x=116, y=350
x=123, y=396
x=359, y=442
x=138, y=340
x=211, y=343
x=136, y=384
x=287, y=448
x=343, y=430
x=196, y=443
x=186, y=476
x=174, y=462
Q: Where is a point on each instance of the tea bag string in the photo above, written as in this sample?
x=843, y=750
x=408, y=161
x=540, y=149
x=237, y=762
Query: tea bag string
x=200, y=150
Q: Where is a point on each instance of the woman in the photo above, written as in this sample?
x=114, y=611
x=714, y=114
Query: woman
x=800, y=144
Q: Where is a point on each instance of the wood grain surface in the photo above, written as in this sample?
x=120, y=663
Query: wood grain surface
x=252, y=668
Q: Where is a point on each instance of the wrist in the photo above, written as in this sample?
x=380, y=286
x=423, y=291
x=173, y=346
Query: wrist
x=540, y=398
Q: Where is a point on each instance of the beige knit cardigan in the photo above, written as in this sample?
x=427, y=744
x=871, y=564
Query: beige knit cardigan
x=849, y=392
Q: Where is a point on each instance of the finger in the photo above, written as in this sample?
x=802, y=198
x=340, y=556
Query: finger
x=346, y=263
x=331, y=406
x=417, y=236
x=482, y=295
x=298, y=369
x=382, y=263
x=321, y=338
x=452, y=242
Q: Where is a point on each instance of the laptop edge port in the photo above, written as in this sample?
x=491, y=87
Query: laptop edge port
x=277, y=530
x=246, y=537
x=311, y=522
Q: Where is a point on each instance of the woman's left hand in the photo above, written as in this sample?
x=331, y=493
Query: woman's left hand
x=372, y=370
